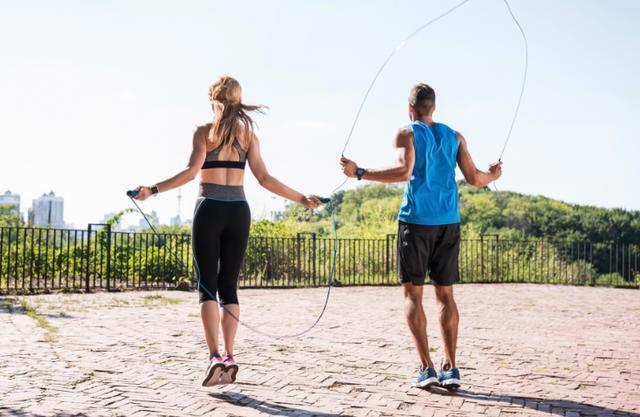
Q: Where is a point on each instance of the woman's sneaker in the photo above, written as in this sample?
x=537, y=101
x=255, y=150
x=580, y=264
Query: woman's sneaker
x=230, y=370
x=426, y=378
x=449, y=379
x=214, y=371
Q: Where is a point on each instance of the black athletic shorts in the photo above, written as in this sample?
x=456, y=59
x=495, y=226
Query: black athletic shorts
x=428, y=250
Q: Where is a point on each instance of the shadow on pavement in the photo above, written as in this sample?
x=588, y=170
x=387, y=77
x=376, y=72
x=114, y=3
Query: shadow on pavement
x=554, y=407
x=19, y=413
x=11, y=305
x=243, y=400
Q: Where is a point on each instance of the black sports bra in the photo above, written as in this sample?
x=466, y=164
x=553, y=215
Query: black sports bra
x=212, y=161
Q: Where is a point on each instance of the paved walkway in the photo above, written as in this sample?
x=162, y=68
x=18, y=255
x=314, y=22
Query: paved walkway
x=524, y=350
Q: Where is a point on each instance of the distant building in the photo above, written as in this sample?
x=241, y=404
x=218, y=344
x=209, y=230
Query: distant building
x=153, y=218
x=176, y=220
x=47, y=211
x=108, y=217
x=10, y=199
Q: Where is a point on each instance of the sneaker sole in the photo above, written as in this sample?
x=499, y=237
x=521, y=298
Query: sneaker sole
x=451, y=384
x=230, y=372
x=213, y=375
x=431, y=382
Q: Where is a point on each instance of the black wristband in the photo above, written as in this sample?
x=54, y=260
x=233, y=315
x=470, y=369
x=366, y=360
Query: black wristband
x=360, y=173
x=154, y=189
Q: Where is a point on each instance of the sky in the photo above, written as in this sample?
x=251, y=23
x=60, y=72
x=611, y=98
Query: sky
x=98, y=97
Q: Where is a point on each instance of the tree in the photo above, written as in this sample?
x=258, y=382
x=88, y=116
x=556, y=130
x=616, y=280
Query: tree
x=9, y=217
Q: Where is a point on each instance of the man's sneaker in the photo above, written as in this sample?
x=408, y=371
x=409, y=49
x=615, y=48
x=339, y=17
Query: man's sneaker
x=230, y=370
x=449, y=379
x=214, y=371
x=425, y=378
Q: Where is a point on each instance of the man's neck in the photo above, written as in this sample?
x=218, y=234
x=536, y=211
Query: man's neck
x=428, y=120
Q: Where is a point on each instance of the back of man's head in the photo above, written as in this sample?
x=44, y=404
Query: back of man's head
x=423, y=99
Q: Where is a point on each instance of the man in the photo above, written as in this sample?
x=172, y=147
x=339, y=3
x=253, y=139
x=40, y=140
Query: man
x=429, y=224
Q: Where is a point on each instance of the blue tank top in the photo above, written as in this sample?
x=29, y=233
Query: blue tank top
x=431, y=195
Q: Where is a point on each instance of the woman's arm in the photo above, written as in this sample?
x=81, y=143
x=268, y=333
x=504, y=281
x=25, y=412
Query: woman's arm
x=198, y=155
x=259, y=170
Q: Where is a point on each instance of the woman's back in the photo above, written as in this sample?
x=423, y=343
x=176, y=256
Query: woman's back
x=224, y=164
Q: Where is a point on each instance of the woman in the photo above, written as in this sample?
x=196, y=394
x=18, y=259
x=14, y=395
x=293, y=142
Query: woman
x=221, y=219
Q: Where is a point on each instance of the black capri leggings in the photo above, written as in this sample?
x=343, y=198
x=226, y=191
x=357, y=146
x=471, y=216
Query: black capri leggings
x=220, y=235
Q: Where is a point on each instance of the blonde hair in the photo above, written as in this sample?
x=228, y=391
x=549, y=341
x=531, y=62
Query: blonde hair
x=225, y=96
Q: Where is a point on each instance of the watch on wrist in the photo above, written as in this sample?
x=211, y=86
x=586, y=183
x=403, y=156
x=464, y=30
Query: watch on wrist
x=360, y=173
x=154, y=189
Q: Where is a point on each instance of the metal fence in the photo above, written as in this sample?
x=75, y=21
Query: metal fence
x=40, y=260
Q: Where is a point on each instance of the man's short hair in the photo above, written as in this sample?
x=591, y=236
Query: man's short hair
x=422, y=98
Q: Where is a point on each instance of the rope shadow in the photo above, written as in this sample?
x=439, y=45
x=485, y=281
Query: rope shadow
x=554, y=407
x=266, y=407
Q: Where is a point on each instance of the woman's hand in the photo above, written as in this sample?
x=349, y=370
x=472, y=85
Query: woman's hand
x=311, y=201
x=142, y=193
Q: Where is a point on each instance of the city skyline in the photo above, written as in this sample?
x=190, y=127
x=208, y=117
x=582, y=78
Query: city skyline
x=43, y=214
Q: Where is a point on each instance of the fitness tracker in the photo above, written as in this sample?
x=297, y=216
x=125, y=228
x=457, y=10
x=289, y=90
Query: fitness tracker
x=154, y=189
x=360, y=172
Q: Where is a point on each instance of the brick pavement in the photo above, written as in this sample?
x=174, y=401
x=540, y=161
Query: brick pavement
x=524, y=350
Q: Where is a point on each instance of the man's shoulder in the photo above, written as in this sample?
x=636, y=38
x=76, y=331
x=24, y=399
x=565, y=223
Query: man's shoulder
x=445, y=126
x=405, y=131
x=404, y=137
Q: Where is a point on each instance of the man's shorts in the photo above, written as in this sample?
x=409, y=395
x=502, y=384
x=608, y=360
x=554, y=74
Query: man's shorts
x=428, y=250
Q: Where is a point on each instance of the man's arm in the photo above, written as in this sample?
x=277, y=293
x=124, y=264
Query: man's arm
x=401, y=172
x=471, y=173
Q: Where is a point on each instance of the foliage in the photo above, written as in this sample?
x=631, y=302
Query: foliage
x=9, y=217
x=371, y=210
x=506, y=237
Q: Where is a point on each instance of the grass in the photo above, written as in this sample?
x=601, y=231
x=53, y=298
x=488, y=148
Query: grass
x=152, y=299
x=118, y=302
x=41, y=320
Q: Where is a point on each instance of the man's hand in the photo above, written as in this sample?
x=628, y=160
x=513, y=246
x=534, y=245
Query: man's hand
x=495, y=170
x=348, y=167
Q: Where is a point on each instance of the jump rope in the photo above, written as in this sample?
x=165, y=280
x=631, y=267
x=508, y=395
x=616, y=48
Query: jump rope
x=330, y=205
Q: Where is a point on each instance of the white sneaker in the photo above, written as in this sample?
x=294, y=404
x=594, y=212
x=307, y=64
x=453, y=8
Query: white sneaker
x=230, y=370
x=214, y=372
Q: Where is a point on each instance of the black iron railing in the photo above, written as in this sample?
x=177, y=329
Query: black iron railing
x=39, y=260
